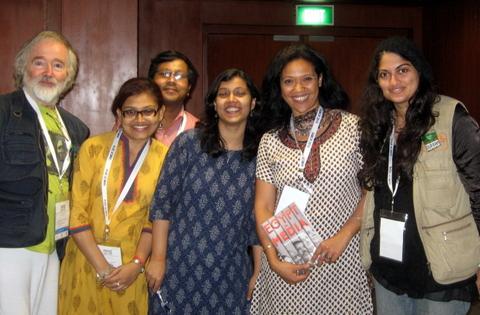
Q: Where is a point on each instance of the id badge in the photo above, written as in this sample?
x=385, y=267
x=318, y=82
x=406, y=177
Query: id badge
x=392, y=228
x=112, y=254
x=292, y=195
x=62, y=217
x=430, y=140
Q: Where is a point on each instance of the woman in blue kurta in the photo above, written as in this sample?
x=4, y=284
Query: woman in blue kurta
x=202, y=210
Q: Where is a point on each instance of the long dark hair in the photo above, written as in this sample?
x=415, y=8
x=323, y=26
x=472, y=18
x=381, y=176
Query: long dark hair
x=377, y=113
x=331, y=94
x=210, y=139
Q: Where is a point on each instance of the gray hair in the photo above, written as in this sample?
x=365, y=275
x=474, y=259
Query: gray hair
x=21, y=59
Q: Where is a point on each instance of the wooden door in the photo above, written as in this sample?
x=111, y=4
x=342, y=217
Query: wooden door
x=348, y=51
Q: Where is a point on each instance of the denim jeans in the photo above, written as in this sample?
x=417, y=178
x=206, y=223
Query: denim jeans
x=390, y=303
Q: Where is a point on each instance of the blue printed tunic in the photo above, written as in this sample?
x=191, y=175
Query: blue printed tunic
x=209, y=203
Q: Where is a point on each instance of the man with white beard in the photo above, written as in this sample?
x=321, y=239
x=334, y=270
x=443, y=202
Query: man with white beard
x=38, y=143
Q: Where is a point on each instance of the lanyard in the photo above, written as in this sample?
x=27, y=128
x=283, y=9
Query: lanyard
x=48, y=139
x=183, y=124
x=128, y=184
x=390, y=166
x=311, y=136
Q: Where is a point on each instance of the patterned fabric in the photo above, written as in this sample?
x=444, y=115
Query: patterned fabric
x=57, y=188
x=339, y=288
x=331, y=121
x=79, y=293
x=209, y=203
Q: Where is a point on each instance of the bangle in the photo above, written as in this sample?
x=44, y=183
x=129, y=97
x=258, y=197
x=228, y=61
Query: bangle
x=136, y=260
x=103, y=274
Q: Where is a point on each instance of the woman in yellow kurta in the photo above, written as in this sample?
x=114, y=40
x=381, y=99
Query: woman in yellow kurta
x=102, y=272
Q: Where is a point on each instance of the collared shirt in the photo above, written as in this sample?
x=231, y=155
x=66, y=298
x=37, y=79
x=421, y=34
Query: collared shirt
x=166, y=136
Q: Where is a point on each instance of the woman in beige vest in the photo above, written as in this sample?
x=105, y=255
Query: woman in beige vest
x=422, y=169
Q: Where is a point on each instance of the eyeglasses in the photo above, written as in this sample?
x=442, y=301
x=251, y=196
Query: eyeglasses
x=132, y=113
x=177, y=76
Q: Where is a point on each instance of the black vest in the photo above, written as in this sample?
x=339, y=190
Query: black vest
x=23, y=173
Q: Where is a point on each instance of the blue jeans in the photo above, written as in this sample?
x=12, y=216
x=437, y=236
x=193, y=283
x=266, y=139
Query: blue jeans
x=390, y=303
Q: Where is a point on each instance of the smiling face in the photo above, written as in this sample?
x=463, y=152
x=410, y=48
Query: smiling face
x=233, y=102
x=397, y=78
x=173, y=91
x=300, y=86
x=137, y=117
x=46, y=71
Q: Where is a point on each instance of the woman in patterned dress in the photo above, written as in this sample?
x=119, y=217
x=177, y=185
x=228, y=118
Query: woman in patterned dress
x=202, y=212
x=302, y=95
x=114, y=212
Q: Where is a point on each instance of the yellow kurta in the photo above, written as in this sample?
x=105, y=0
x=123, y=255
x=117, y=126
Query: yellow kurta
x=79, y=292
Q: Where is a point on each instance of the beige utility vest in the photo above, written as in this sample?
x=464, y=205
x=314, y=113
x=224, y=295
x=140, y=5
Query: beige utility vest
x=442, y=208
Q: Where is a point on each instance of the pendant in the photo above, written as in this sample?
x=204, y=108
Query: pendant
x=106, y=233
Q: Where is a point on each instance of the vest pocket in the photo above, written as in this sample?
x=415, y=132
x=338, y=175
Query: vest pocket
x=439, y=190
x=15, y=214
x=452, y=249
x=20, y=148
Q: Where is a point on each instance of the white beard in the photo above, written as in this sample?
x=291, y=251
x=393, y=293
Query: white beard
x=47, y=95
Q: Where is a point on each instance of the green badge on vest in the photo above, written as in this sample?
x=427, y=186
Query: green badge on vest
x=430, y=140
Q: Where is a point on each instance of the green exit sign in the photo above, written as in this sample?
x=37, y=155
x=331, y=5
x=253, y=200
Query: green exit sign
x=314, y=14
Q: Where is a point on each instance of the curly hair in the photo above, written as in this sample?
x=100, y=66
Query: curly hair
x=21, y=59
x=210, y=139
x=331, y=94
x=377, y=114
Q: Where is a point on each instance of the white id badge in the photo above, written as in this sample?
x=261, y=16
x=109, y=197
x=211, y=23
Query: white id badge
x=290, y=195
x=62, y=217
x=392, y=228
x=112, y=254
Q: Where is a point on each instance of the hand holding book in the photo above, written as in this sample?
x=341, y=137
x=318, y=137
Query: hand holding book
x=292, y=235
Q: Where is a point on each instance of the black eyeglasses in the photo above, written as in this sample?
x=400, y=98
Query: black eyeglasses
x=132, y=113
x=170, y=74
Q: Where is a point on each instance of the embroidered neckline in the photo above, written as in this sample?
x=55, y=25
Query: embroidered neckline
x=330, y=124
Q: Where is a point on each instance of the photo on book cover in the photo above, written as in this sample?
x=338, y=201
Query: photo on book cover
x=292, y=235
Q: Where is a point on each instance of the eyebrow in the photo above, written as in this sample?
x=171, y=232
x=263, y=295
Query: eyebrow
x=43, y=58
x=399, y=66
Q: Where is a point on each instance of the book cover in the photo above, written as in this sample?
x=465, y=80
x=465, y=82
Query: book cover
x=292, y=235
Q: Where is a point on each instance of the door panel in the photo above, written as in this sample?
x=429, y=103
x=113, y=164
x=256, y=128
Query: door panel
x=348, y=56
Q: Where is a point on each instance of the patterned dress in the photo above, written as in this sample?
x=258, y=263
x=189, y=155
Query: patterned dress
x=79, y=292
x=330, y=172
x=209, y=203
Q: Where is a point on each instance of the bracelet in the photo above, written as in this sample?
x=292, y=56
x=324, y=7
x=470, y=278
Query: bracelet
x=136, y=260
x=103, y=274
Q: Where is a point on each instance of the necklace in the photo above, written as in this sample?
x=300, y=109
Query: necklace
x=303, y=123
